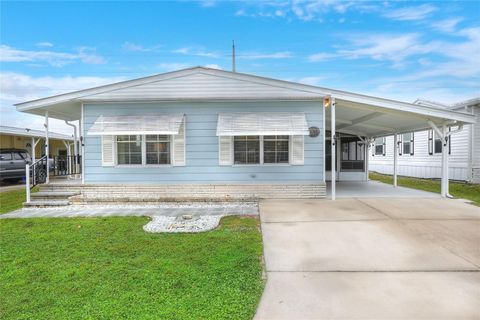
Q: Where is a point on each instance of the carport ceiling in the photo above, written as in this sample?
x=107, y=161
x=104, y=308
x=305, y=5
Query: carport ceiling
x=372, y=121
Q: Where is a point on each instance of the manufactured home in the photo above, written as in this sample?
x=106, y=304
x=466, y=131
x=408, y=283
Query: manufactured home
x=34, y=141
x=202, y=132
x=420, y=153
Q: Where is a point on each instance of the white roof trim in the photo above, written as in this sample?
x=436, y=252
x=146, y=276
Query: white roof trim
x=338, y=94
x=133, y=125
x=26, y=132
x=261, y=123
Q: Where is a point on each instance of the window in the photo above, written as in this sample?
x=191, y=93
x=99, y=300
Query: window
x=17, y=156
x=25, y=156
x=246, y=150
x=129, y=149
x=380, y=146
x=430, y=142
x=407, y=143
x=158, y=149
x=435, y=144
x=438, y=145
x=275, y=149
x=5, y=156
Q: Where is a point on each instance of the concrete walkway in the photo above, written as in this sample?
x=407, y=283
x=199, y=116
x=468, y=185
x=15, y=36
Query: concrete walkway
x=376, y=258
x=167, y=210
x=376, y=189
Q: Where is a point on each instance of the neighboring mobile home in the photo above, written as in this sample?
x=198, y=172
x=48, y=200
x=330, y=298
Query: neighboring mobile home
x=34, y=140
x=213, y=132
x=419, y=153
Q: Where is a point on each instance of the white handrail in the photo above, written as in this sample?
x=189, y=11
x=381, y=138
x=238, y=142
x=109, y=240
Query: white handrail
x=27, y=181
x=38, y=160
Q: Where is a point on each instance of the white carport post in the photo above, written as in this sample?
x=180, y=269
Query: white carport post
x=444, y=188
x=334, y=148
x=444, y=135
x=395, y=159
x=47, y=147
x=33, y=150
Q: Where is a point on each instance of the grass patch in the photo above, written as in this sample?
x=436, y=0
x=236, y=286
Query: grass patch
x=109, y=268
x=457, y=189
x=12, y=200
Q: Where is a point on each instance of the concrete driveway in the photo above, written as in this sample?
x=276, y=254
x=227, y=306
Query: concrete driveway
x=376, y=258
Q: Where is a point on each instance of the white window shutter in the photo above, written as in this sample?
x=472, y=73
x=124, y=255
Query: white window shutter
x=225, y=150
x=108, y=151
x=297, y=150
x=179, y=146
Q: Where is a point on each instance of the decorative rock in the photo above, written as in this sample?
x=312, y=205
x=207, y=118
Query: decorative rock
x=173, y=224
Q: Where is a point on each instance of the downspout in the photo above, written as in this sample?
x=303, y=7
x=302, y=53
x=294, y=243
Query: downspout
x=75, y=145
x=75, y=150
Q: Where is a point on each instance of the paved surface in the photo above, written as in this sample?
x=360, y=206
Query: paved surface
x=167, y=210
x=9, y=186
x=362, y=189
x=374, y=258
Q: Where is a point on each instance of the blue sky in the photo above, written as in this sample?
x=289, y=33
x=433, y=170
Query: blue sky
x=400, y=50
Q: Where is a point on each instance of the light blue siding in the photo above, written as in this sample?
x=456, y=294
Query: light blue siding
x=202, y=164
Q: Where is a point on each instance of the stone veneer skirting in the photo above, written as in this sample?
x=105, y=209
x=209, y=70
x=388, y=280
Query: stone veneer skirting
x=90, y=193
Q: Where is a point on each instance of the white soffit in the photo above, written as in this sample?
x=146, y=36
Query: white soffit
x=261, y=123
x=131, y=125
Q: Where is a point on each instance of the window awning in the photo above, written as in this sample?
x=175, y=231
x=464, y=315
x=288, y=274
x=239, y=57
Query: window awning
x=261, y=123
x=144, y=124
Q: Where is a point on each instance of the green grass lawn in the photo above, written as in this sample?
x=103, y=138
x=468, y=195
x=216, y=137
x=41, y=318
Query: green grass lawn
x=11, y=200
x=457, y=189
x=109, y=268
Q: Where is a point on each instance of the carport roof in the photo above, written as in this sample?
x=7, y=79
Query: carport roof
x=26, y=132
x=356, y=113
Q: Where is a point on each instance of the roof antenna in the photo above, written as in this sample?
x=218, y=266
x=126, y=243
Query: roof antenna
x=234, y=67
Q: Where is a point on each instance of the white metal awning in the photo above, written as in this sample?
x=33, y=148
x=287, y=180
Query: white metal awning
x=168, y=123
x=261, y=123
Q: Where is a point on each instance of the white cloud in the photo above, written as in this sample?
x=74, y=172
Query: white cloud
x=447, y=25
x=208, y=3
x=44, y=44
x=314, y=81
x=133, y=47
x=196, y=52
x=18, y=87
x=306, y=10
x=381, y=47
x=453, y=76
x=273, y=55
x=171, y=66
x=56, y=59
x=240, y=12
x=213, y=66
x=129, y=46
x=458, y=58
x=413, y=13
x=322, y=56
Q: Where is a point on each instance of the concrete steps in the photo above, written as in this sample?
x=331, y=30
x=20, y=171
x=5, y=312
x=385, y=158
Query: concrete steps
x=46, y=203
x=48, y=197
x=52, y=195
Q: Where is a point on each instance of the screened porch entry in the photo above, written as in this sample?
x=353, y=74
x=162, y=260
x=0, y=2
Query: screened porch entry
x=350, y=159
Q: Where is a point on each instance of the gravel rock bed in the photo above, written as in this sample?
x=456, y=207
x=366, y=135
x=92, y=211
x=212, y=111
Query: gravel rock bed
x=160, y=209
x=174, y=224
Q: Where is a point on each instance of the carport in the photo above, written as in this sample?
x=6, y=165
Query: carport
x=367, y=118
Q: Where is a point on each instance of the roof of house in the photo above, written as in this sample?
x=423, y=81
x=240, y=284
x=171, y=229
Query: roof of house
x=362, y=114
x=458, y=105
x=26, y=132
